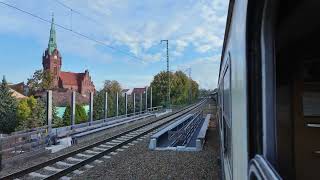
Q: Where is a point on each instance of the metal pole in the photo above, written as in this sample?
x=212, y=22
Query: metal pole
x=134, y=103
x=106, y=106
x=73, y=109
x=151, y=99
x=146, y=99
x=117, y=104
x=140, y=103
x=91, y=108
x=168, y=73
x=126, y=104
x=49, y=111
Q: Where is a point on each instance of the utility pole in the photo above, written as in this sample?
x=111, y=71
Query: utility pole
x=190, y=85
x=168, y=73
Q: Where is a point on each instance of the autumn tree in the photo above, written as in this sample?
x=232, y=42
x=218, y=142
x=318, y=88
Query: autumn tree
x=31, y=113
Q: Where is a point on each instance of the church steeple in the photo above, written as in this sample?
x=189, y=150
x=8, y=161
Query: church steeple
x=52, y=45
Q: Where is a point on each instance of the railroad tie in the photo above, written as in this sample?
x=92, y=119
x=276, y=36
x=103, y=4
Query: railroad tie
x=112, y=143
x=88, y=166
x=77, y=172
x=34, y=174
x=120, y=150
x=65, y=178
x=84, y=155
x=97, y=161
x=74, y=159
x=99, y=149
x=50, y=168
x=61, y=163
x=113, y=153
x=92, y=152
x=106, y=157
x=106, y=146
x=116, y=141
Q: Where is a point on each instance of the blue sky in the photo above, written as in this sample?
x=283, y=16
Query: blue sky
x=195, y=30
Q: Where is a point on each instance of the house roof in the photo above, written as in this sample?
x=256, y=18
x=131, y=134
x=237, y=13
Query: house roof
x=138, y=90
x=17, y=94
x=70, y=78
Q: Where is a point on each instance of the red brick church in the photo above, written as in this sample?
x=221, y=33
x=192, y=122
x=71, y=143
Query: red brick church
x=52, y=61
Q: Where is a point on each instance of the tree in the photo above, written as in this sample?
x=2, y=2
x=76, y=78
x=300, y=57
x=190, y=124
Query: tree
x=31, y=113
x=8, y=106
x=40, y=80
x=180, y=86
x=80, y=115
x=160, y=88
x=112, y=87
x=56, y=120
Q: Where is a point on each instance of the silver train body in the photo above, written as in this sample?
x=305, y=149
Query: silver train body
x=269, y=90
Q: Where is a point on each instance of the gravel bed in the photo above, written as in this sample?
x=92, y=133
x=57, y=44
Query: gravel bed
x=138, y=162
x=36, y=160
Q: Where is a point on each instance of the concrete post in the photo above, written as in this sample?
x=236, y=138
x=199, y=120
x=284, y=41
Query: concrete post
x=151, y=98
x=146, y=99
x=73, y=109
x=134, y=103
x=117, y=104
x=106, y=106
x=91, y=108
x=140, y=103
x=126, y=103
x=49, y=111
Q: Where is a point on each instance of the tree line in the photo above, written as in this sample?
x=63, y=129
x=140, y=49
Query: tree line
x=31, y=112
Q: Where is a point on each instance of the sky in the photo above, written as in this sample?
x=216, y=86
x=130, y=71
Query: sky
x=133, y=29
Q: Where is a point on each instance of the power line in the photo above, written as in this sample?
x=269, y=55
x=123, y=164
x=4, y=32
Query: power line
x=72, y=31
x=75, y=11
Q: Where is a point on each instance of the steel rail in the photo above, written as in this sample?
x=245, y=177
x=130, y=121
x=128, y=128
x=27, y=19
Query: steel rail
x=171, y=116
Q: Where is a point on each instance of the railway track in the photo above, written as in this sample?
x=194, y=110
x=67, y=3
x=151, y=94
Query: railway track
x=63, y=165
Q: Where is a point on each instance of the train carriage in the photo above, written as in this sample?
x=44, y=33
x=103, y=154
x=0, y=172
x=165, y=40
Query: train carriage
x=269, y=90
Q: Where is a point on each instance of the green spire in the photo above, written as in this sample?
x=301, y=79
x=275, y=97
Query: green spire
x=52, y=40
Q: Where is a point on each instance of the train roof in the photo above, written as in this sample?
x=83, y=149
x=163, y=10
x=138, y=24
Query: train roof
x=226, y=33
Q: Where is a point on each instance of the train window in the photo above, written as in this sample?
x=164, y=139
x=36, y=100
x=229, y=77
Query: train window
x=226, y=114
x=311, y=94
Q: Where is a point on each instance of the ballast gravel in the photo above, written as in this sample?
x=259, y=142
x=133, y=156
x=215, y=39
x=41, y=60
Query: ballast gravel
x=138, y=162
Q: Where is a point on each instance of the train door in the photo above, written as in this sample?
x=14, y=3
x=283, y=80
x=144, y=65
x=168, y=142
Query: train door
x=306, y=114
x=298, y=89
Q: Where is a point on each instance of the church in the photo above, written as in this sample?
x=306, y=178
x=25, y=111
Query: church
x=52, y=62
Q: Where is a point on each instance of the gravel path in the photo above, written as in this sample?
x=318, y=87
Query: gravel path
x=138, y=162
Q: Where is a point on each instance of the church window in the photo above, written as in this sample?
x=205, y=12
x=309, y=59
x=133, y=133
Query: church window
x=55, y=71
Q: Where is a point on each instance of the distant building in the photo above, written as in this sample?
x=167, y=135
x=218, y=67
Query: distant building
x=138, y=91
x=17, y=95
x=20, y=87
x=52, y=62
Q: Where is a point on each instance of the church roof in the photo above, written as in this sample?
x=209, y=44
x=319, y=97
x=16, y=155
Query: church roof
x=70, y=78
x=52, y=45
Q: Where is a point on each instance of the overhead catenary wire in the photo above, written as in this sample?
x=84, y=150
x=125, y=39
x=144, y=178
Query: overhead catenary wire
x=72, y=31
x=75, y=11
